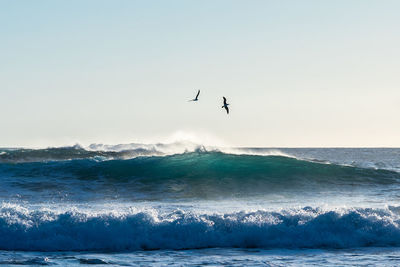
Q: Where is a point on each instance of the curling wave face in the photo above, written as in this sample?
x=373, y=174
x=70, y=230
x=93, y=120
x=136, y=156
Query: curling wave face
x=22, y=229
x=197, y=174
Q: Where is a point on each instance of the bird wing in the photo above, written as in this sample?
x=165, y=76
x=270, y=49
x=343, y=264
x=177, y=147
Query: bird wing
x=197, y=94
x=224, y=100
x=227, y=109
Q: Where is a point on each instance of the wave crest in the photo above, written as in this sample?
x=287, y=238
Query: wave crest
x=121, y=151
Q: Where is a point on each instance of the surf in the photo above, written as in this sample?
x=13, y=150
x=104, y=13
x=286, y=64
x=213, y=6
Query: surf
x=45, y=230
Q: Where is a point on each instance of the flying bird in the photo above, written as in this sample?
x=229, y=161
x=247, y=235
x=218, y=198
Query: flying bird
x=225, y=105
x=197, y=97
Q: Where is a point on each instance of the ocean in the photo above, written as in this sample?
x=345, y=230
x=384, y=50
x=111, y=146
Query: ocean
x=184, y=204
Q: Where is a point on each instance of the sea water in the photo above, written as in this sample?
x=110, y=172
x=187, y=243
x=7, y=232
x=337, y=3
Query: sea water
x=186, y=204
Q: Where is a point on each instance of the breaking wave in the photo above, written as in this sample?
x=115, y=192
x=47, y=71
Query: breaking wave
x=21, y=229
x=195, y=174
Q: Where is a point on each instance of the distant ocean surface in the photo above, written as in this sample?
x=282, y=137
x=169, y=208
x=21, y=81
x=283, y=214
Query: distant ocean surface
x=184, y=204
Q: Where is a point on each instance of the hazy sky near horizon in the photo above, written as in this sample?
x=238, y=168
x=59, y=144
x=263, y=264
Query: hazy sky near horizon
x=296, y=73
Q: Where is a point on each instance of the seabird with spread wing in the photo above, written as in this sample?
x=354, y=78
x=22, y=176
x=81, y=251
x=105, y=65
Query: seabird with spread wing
x=225, y=105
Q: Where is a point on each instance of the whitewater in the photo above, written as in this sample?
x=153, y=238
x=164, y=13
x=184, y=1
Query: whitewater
x=189, y=204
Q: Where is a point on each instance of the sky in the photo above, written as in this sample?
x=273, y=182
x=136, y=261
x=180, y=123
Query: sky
x=296, y=73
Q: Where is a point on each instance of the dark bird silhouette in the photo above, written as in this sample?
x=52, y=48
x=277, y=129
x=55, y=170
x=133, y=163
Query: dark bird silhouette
x=225, y=105
x=197, y=97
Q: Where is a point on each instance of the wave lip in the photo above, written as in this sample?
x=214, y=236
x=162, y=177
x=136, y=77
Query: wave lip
x=303, y=228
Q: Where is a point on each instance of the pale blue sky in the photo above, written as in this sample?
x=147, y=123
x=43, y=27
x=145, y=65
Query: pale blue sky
x=297, y=73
